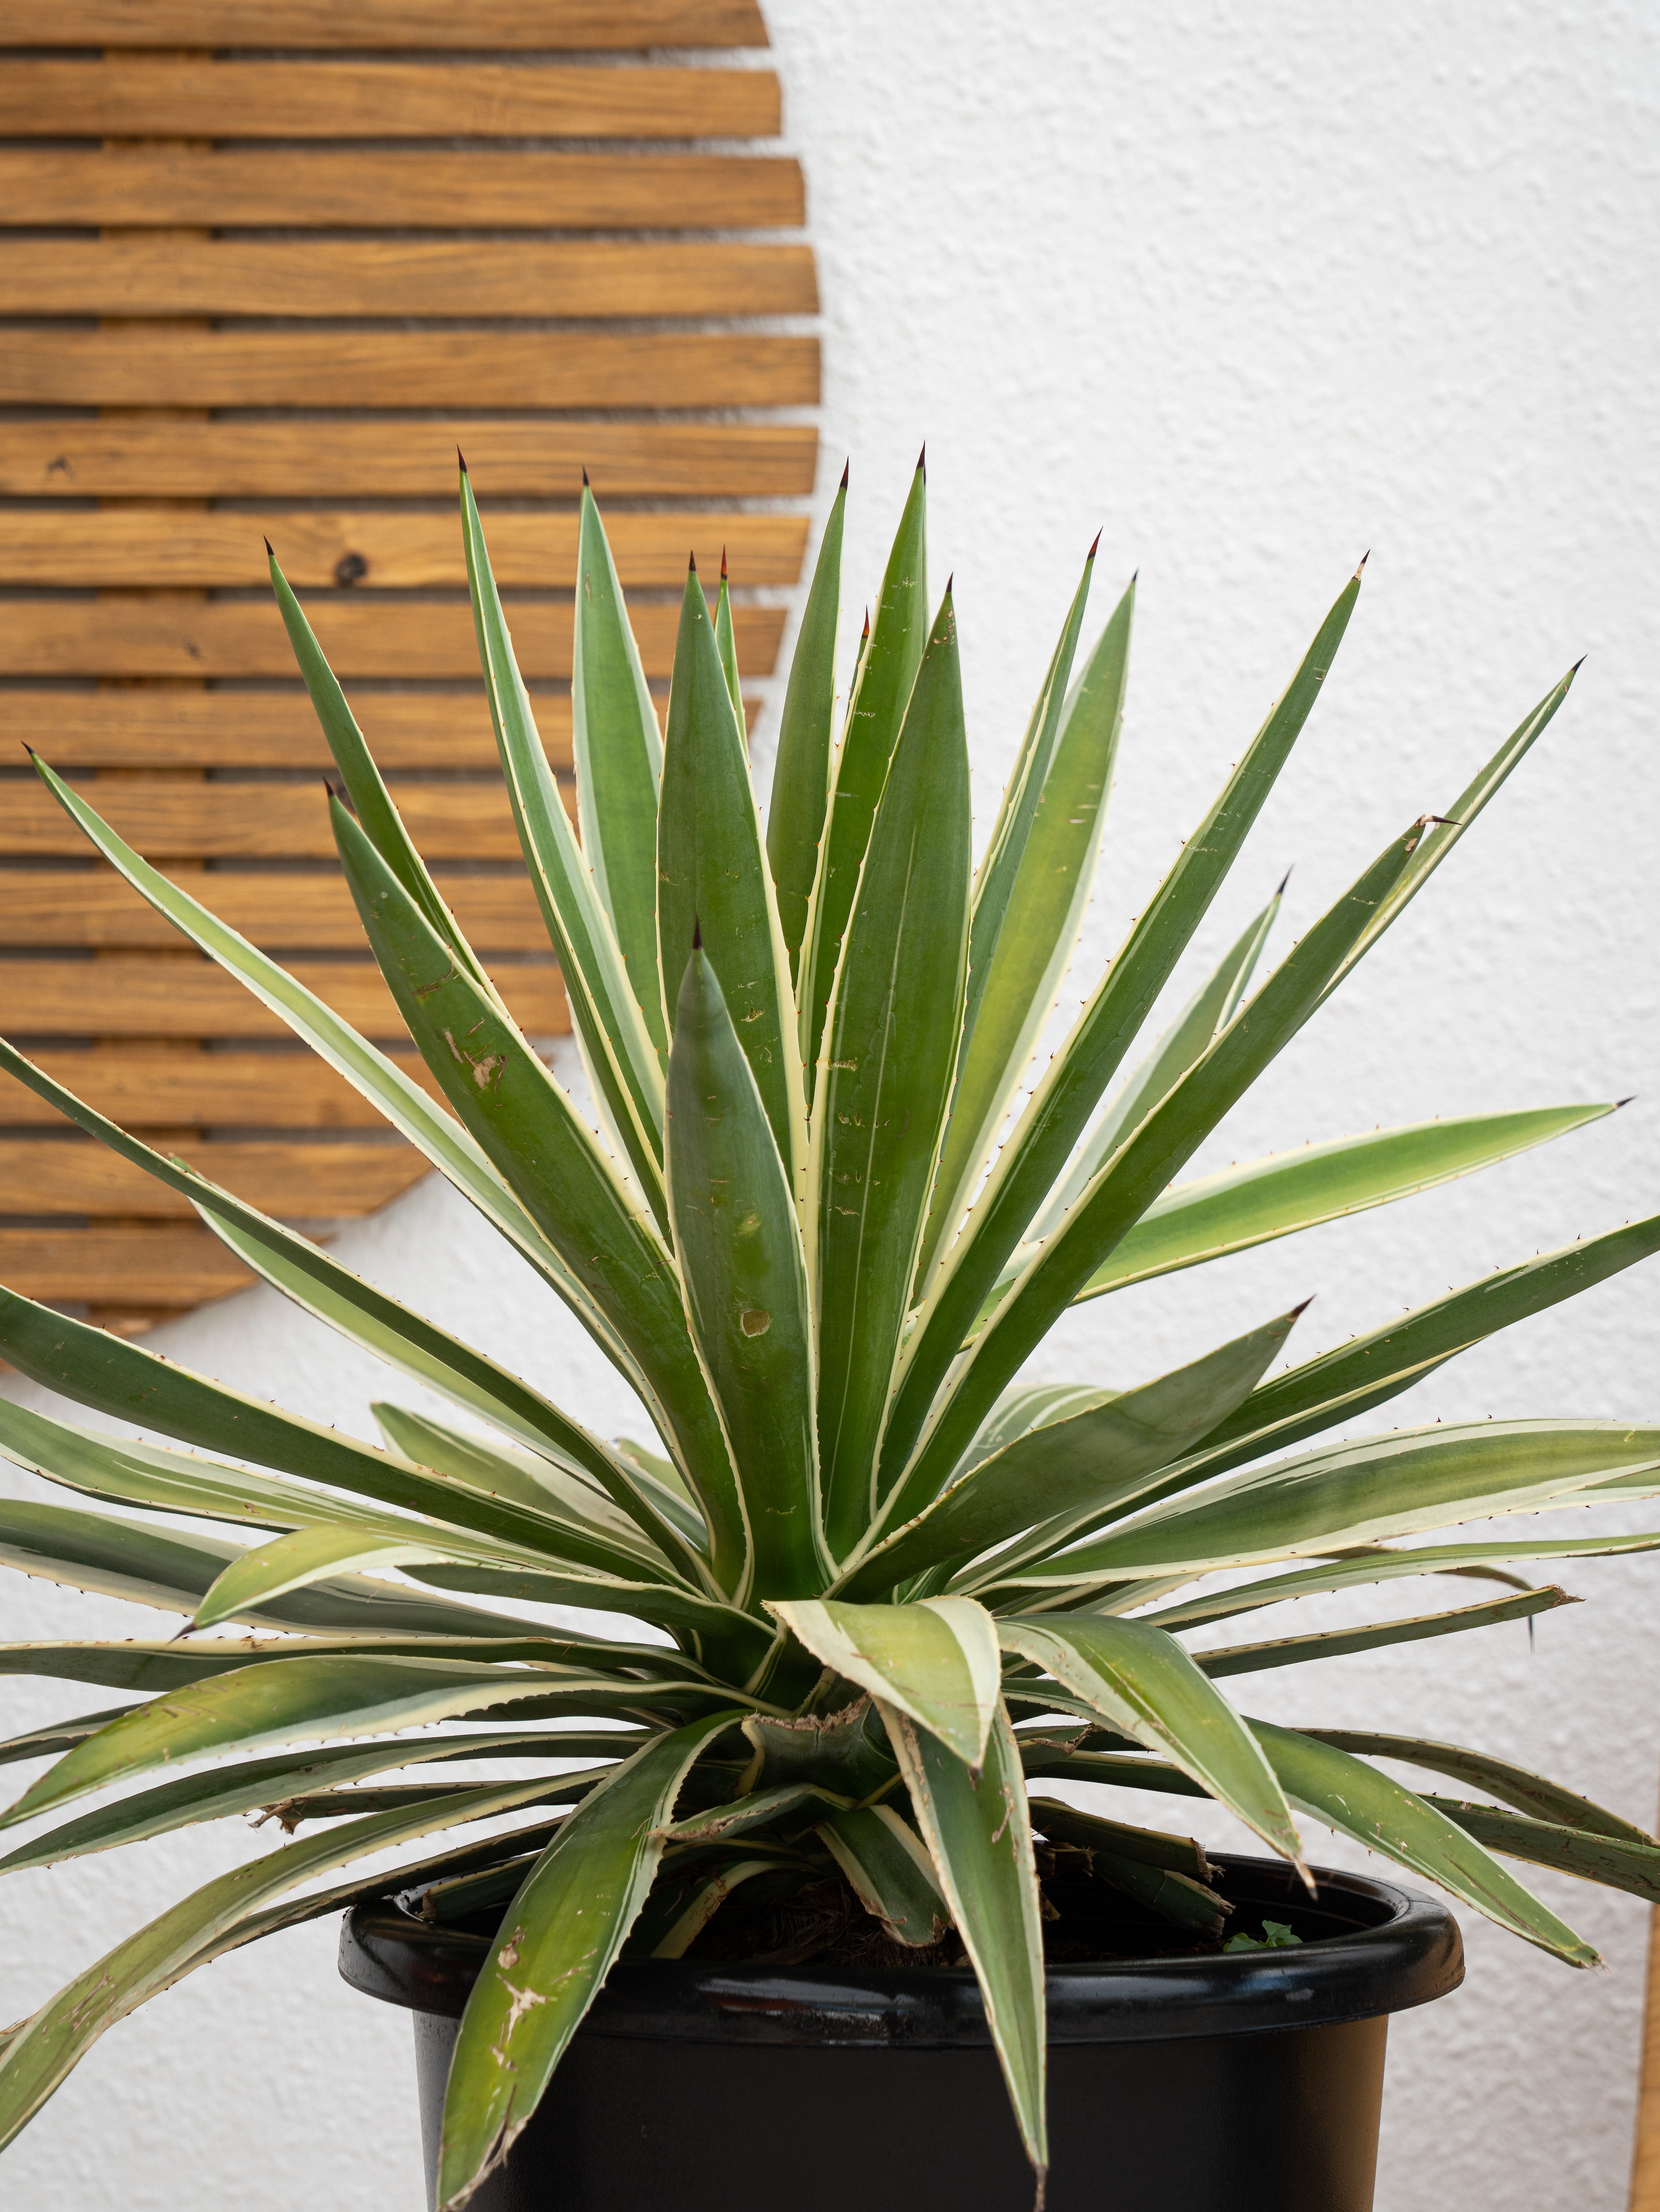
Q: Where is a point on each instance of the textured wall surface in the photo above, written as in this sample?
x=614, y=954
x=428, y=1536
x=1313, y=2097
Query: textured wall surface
x=1251, y=289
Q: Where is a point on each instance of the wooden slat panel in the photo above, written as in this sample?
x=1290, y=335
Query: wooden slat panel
x=281, y=912
x=167, y=548
x=244, y=822
x=379, y=99
x=330, y=1180
x=577, y=276
x=138, y=368
x=403, y=638
x=538, y=460
x=192, y=998
x=202, y=1090
x=168, y=726
x=404, y=191
x=479, y=25
x=158, y=1265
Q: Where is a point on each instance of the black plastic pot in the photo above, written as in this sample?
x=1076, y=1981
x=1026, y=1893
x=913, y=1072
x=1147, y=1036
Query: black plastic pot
x=1246, y=2082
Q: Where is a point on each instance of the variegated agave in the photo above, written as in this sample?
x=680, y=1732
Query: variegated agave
x=889, y=1584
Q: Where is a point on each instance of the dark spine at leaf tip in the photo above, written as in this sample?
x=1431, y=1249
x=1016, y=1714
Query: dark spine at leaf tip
x=697, y=934
x=1625, y=1101
x=922, y=461
x=845, y=466
x=270, y=550
x=585, y=486
x=722, y=564
x=1577, y=666
x=692, y=563
x=1297, y=1312
x=949, y=581
x=1284, y=880
x=1364, y=557
x=462, y=457
x=865, y=632
x=1094, y=546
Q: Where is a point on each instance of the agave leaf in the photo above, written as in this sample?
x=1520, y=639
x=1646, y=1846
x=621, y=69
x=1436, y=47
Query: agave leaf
x=1027, y=1408
x=845, y=1748
x=889, y=1871
x=1029, y=903
x=935, y=1661
x=271, y=1569
x=258, y=1783
x=1142, y=1682
x=1616, y=1863
x=726, y=644
x=876, y=710
x=756, y=1810
x=1242, y=1206
x=712, y=876
x=738, y=1238
x=1531, y=1793
x=729, y=1642
x=49, y=2045
x=288, y=1700
x=617, y=1049
x=1152, y=1877
x=884, y=1087
x=569, y=1923
x=366, y=791
x=1036, y=1154
x=56, y=1735
x=1134, y=1177
x=618, y=758
x=800, y=777
x=1338, y=1643
x=1073, y=1467
x=524, y=1121
x=1398, y=1485
x=1355, y=1800
x=978, y=1833
x=1065, y=1824
x=706, y=1898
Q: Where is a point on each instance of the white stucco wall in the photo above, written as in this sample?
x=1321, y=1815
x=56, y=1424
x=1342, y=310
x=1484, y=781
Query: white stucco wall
x=1253, y=289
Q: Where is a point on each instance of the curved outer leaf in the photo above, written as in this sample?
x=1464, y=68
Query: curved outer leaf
x=1142, y=1682
x=1074, y=1467
x=434, y=1133
x=1037, y=1152
x=884, y=1087
x=1398, y=1484
x=1531, y=1793
x=569, y=1921
x=617, y=1049
x=706, y=1899
x=886, y=669
x=269, y=1571
x=1618, y=1864
x=1353, y=1798
x=1027, y=1408
x=740, y=1815
x=738, y=1238
x=524, y=1120
x=1029, y=904
x=979, y=1832
x=618, y=758
x=889, y=1871
x=1338, y=1643
x=1149, y=1846
x=935, y=1661
x=1136, y=1174
x=1242, y=1206
x=296, y=1699
x=801, y=775
x=57, y=1735
x=712, y=878
x=730, y=1642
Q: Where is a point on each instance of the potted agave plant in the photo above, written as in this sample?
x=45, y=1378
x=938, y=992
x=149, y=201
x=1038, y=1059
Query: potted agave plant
x=768, y=1887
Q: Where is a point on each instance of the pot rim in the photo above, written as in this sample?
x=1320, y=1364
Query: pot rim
x=1405, y=1951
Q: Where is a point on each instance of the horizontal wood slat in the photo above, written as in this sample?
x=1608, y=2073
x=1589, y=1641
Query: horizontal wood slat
x=401, y=638
x=475, y=26
x=162, y=367
x=171, y=726
x=188, y=997
x=330, y=1181
x=168, y=550
x=245, y=822
x=281, y=912
x=403, y=190
x=146, y=1266
x=229, y=1089
x=539, y=459
x=453, y=277
x=158, y=99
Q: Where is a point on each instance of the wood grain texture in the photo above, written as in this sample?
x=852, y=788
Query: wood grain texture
x=147, y=1265
x=280, y=912
x=365, y=24
x=218, y=1090
x=1646, y=2144
x=187, y=996
x=325, y=1180
x=145, y=276
x=432, y=190
x=170, y=550
x=168, y=99
x=244, y=822
x=398, y=637
x=166, y=726
x=347, y=368
x=542, y=458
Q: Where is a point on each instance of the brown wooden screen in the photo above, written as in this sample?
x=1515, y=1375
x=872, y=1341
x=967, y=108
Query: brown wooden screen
x=247, y=292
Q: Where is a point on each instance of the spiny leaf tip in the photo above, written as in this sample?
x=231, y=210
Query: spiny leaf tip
x=845, y=467
x=585, y=486
x=692, y=563
x=271, y=551
x=1364, y=557
x=922, y=461
x=697, y=934
x=722, y=564
x=1284, y=880
x=462, y=457
x=1094, y=546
